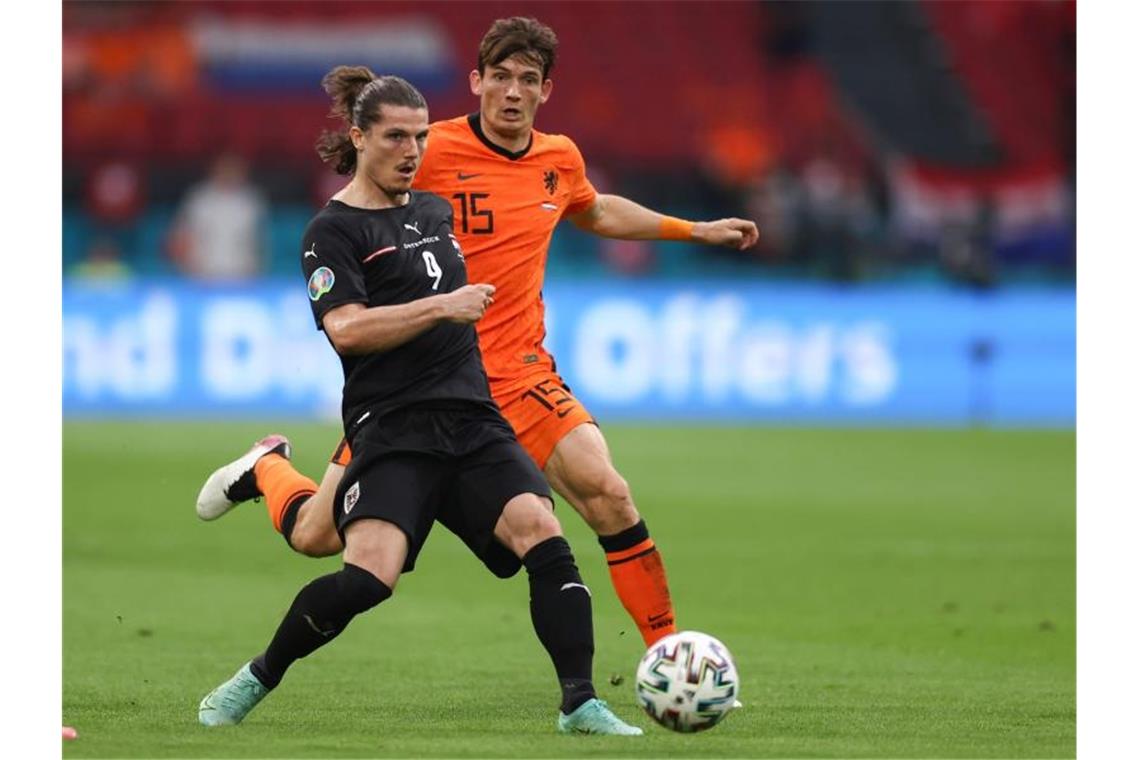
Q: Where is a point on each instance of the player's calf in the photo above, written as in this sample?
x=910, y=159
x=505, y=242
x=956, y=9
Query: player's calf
x=308, y=527
x=605, y=502
x=580, y=469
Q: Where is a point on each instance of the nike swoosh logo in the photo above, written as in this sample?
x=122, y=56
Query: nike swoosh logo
x=464, y=177
x=312, y=252
x=655, y=618
x=575, y=585
x=313, y=625
x=563, y=413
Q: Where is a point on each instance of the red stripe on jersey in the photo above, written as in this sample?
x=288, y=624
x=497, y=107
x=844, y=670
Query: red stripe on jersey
x=381, y=252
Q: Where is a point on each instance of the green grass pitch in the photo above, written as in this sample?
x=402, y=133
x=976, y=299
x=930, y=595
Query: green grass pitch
x=904, y=593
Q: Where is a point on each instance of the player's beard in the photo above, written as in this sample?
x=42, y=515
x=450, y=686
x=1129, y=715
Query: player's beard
x=398, y=193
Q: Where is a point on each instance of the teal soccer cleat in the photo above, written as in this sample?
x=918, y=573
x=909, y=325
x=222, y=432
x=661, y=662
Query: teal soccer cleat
x=232, y=701
x=594, y=717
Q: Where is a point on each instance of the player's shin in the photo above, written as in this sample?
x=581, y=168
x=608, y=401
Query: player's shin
x=638, y=575
x=319, y=613
x=563, y=618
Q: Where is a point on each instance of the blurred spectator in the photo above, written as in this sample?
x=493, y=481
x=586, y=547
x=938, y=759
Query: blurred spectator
x=104, y=261
x=966, y=248
x=774, y=201
x=115, y=194
x=838, y=216
x=115, y=198
x=218, y=231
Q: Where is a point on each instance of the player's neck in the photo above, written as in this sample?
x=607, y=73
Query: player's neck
x=511, y=143
x=362, y=192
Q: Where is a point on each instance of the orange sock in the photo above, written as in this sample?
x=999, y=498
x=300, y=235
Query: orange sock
x=281, y=485
x=638, y=575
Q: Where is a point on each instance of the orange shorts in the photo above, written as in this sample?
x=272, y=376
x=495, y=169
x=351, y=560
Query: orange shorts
x=541, y=411
x=342, y=455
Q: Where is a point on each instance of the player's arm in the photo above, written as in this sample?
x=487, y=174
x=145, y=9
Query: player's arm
x=355, y=328
x=616, y=217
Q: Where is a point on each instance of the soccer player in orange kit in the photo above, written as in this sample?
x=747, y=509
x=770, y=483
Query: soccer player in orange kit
x=509, y=186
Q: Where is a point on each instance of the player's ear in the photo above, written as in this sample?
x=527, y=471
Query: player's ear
x=547, y=86
x=476, y=82
x=356, y=134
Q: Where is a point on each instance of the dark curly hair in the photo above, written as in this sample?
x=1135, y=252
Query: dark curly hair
x=529, y=38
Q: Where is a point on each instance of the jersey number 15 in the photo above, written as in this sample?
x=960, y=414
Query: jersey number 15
x=472, y=219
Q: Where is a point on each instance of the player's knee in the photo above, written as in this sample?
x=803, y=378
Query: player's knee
x=526, y=522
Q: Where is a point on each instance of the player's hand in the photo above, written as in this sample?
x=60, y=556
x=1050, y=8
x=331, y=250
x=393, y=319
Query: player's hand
x=468, y=304
x=733, y=233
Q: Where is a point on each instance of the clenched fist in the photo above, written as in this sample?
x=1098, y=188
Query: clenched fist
x=468, y=304
x=733, y=233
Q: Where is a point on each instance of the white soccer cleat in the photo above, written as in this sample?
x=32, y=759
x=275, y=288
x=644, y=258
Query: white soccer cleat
x=231, y=484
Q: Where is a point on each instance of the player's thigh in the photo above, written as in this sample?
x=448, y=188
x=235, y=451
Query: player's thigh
x=405, y=490
x=321, y=511
x=315, y=529
x=378, y=546
x=499, y=504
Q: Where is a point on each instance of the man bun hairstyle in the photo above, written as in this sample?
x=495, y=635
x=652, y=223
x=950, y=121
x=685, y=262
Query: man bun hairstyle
x=530, y=39
x=357, y=95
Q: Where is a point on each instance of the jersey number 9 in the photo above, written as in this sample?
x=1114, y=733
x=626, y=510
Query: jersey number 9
x=433, y=269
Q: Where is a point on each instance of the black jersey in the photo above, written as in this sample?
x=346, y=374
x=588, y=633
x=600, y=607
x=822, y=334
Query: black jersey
x=386, y=257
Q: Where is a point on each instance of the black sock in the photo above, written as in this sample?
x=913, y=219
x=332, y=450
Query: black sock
x=289, y=516
x=627, y=539
x=319, y=613
x=563, y=619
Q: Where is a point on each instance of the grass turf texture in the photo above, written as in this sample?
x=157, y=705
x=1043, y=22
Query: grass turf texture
x=885, y=594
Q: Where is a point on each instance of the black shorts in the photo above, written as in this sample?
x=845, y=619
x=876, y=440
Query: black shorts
x=458, y=467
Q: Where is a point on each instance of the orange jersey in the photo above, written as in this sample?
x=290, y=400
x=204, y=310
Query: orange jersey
x=506, y=207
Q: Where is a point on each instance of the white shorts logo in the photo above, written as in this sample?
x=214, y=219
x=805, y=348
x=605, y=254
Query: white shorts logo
x=351, y=496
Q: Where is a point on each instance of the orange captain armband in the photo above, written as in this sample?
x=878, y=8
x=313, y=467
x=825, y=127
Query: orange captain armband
x=673, y=228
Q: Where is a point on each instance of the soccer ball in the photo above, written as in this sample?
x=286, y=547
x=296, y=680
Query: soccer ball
x=687, y=681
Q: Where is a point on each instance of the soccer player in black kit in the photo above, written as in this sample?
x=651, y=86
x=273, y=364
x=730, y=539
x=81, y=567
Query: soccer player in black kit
x=388, y=285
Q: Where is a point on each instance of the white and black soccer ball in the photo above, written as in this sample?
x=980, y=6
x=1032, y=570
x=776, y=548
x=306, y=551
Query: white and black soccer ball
x=687, y=681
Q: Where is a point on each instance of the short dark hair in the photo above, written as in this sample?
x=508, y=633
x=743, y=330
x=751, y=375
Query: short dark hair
x=529, y=38
x=357, y=95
